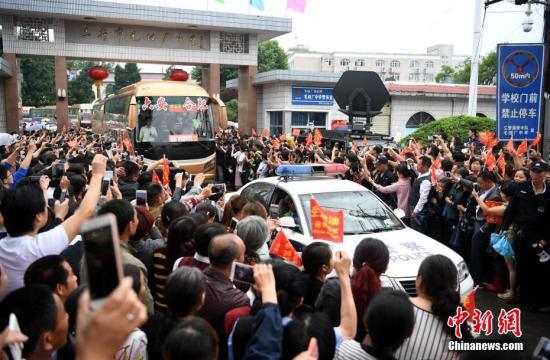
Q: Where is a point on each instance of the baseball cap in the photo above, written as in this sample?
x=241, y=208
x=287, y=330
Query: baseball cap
x=381, y=160
x=539, y=166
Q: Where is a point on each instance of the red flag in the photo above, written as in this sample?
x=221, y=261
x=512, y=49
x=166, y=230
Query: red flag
x=318, y=137
x=276, y=144
x=536, y=141
x=309, y=139
x=64, y=129
x=265, y=133
x=365, y=142
x=435, y=165
x=469, y=303
x=295, y=132
x=156, y=178
x=492, y=143
x=406, y=150
x=486, y=137
x=490, y=161
x=522, y=148
x=510, y=146
x=165, y=171
x=326, y=224
x=254, y=132
x=501, y=163
x=128, y=145
x=282, y=247
x=282, y=137
x=354, y=148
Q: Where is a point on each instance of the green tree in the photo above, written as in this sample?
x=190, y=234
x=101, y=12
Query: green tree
x=232, y=107
x=487, y=70
x=445, y=74
x=38, y=85
x=462, y=74
x=226, y=73
x=126, y=75
x=80, y=88
x=271, y=56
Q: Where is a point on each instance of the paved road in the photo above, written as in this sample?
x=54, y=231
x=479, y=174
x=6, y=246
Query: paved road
x=533, y=324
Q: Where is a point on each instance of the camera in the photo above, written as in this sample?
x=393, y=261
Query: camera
x=527, y=23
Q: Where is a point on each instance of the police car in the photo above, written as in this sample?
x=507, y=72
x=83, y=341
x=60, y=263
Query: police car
x=365, y=215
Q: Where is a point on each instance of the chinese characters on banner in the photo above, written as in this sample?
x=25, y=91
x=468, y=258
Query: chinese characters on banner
x=519, y=90
x=326, y=224
x=507, y=322
x=302, y=95
x=282, y=247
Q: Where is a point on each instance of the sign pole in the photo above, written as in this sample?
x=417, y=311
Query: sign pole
x=472, y=95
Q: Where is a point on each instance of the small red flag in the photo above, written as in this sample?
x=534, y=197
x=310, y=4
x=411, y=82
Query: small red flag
x=522, y=148
x=128, y=145
x=309, y=139
x=486, y=137
x=326, y=224
x=282, y=137
x=276, y=144
x=536, y=141
x=318, y=137
x=510, y=146
x=490, y=161
x=165, y=172
x=365, y=142
x=64, y=129
x=295, y=132
x=265, y=133
x=501, y=163
x=469, y=303
x=435, y=165
x=282, y=247
x=156, y=178
x=406, y=150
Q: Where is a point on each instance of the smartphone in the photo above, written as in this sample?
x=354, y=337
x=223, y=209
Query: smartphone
x=241, y=273
x=62, y=196
x=192, y=178
x=430, y=138
x=233, y=224
x=107, y=178
x=35, y=179
x=101, y=256
x=16, y=349
x=476, y=187
x=141, y=197
x=218, y=188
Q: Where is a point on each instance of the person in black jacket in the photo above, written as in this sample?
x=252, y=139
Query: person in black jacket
x=384, y=177
x=128, y=184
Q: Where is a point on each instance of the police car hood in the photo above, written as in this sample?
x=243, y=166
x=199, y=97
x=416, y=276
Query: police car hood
x=407, y=249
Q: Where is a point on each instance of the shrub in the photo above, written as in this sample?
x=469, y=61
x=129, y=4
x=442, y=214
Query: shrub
x=452, y=126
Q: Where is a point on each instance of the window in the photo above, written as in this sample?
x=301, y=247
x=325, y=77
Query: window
x=328, y=62
x=429, y=65
x=419, y=119
x=276, y=122
x=380, y=63
x=344, y=62
x=302, y=119
x=395, y=64
x=259, y=190
x=413, y=77
x=428, y=78
x=360, y=62
x=396, y=76
x=414, y=64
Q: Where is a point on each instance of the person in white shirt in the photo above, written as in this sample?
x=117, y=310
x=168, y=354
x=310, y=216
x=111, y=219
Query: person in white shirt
x=418, y=198
x=148, y=133
x=25, y=213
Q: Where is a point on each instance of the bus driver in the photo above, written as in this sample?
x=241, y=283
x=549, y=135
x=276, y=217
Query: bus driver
x=148, y=133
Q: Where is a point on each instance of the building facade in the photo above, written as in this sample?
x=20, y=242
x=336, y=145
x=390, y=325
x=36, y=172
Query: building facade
x=288, y=100
x=390, y=67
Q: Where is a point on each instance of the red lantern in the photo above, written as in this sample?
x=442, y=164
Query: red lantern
x=99, y=74
x=179, y=75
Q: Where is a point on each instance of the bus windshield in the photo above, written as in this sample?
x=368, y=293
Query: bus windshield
x=174, y=119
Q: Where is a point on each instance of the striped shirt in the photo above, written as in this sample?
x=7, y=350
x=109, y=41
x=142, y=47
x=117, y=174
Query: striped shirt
x=429, y=339
x=352, y=350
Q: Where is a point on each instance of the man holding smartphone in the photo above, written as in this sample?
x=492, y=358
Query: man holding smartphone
x=25, y=213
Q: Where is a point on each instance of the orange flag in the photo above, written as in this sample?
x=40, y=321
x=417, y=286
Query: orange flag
x=128, y=145
x=282, y=247
x=486, y=137
x=492, y=143
x=522, y=148
x=365, y=142
x=406, y=150
x=490, y=161
x=156, y=178
x=469, y=303
x=295, y=132
x=165, y=171
x=309, y=139
x=435, y=165
x=536, y=141
x=276, y=144
x=501, y=163
x=318, y=137
x=265, y=133
x=254, y=132
x=510, y=146
x=326, y=224
x=282, y=137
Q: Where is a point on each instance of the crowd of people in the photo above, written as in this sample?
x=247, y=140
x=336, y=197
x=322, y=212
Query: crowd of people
x=177, y=299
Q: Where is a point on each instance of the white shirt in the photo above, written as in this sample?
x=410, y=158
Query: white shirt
x=425, y=187
x=17, y=253
x=148, y=134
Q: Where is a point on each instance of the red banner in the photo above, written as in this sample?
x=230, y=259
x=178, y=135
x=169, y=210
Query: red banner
x=165, y=172
x=326, y=224
x=283, y=248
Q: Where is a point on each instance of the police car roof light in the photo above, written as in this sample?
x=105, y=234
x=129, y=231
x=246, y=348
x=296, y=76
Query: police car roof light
x=311, y=170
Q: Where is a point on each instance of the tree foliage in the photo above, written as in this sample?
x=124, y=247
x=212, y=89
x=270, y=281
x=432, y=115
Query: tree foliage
x=452, y=126
x=461, y=74
x=38, y=85
x=80, y=89
x=446, y=74
x=232, y=107
x=126, y=75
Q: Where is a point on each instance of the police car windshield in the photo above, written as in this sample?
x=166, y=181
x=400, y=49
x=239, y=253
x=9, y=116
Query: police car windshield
x=363, y=212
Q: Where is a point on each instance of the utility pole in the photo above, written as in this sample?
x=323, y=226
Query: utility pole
x=472, y=95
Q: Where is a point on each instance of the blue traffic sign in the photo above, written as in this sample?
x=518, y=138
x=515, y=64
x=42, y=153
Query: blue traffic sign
x=303, y=95
x=519, y=90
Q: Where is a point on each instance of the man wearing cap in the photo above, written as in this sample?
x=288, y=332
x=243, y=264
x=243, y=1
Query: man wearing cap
x=530, y=210
x=384, y=177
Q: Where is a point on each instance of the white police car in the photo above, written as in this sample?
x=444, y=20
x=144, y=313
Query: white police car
x=365, y=215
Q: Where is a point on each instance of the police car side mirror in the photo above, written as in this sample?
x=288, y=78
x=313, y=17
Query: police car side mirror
x=399, y=213
x=287, y=222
